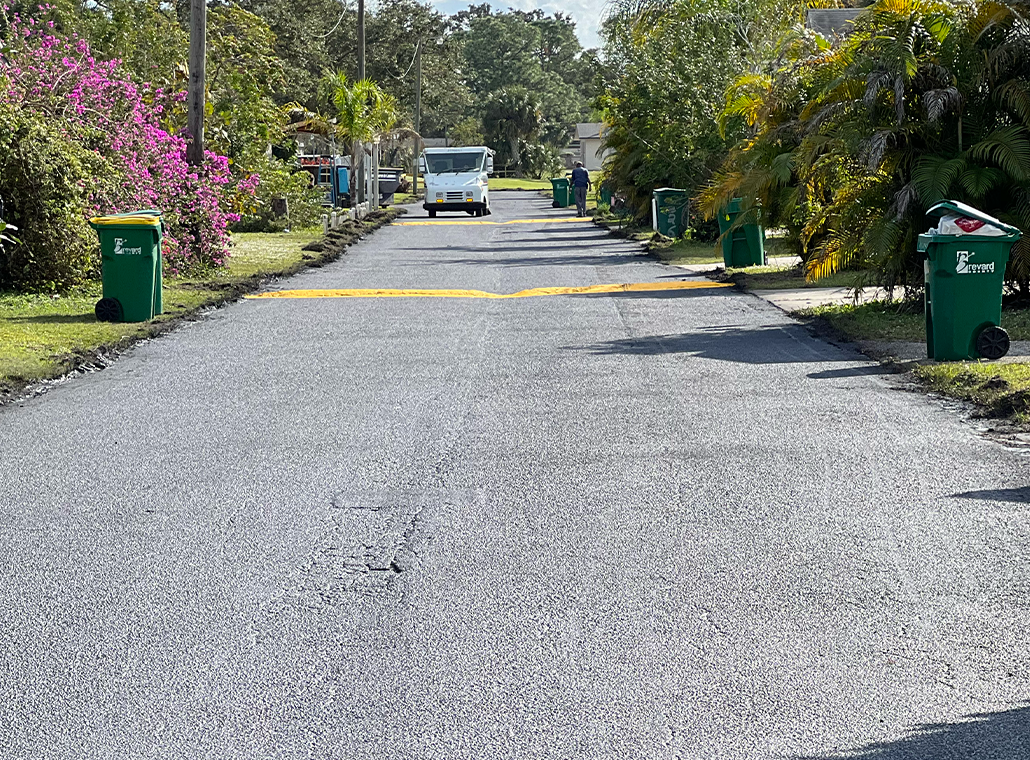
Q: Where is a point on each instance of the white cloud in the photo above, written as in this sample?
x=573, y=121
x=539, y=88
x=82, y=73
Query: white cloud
x=586, y=13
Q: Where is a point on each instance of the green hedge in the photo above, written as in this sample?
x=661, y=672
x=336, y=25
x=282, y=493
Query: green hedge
x=43, y=181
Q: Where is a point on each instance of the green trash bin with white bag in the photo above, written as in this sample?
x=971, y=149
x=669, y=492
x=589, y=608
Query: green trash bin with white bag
x=964, y=268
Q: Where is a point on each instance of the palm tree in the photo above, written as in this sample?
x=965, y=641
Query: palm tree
x=511, y=114
x=363, y=113
x=925, y=100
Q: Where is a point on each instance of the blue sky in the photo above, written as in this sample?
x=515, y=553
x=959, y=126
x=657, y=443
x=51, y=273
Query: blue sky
x=587, y=13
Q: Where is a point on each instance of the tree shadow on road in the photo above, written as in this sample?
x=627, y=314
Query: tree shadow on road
x=1016, y=495
x=776, y=344
x=569, y=259
x=1001, y=735
x=864, y=371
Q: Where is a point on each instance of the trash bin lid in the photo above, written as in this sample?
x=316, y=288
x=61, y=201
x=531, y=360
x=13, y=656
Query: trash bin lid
x=968, y=211
x=132, y=220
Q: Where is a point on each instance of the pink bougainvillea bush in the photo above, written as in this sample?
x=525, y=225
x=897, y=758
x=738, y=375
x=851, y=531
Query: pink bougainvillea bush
x=106, y=129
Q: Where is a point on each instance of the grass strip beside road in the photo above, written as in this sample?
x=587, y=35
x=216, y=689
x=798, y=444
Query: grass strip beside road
x=883, y=321
x=515, y=183
x=779, y=278
x=1000, y=391
x=525, y=183
x=43, y=337
x=683, y=252
x=876, y=320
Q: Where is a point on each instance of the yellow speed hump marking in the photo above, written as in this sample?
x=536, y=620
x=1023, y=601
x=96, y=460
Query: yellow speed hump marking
x=444, y=222
x=634, y=287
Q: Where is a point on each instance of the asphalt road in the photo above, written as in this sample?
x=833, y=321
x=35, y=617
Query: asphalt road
x=663, y=524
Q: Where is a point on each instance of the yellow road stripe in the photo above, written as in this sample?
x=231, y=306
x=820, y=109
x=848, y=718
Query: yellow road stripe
x=513, y=221
x=635, y=287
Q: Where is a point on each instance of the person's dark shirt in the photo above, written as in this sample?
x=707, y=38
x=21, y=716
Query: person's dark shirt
x=580, y=177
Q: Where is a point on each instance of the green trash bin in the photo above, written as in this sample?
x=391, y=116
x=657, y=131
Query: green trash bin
x=670, y=207
x=604, y=195
x=744, y=245
x=964, y=276
x=130, y=250
x=561, y=189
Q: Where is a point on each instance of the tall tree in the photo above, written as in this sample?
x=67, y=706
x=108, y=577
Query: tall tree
x=661, y=109
x=512, y=116
x=392, y=33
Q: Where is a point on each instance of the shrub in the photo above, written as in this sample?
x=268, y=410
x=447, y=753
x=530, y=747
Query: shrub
x=115, y=151
x=277, y=181
x=541, y=161
x=848, y=146
x=43, y=181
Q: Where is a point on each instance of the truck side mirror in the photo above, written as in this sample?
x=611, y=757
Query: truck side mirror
x=489, y=164
x=422, y=164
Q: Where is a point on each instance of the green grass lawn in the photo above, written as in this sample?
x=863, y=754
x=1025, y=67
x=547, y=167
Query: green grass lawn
x=998, y=390
x=774, y=278
x=873, y=321
x=513, y=183
x=39, y=332
x=900, y=321
x=687, y=252
x=697, y=252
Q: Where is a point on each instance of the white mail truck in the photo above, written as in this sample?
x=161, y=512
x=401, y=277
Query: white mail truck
x=456, y=179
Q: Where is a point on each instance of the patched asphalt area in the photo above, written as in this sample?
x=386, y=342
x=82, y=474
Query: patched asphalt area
x=611, y=525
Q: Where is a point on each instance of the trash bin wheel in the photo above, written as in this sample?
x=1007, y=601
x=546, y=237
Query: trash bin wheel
x=992, y=343
x=555, y=204
x=108, y=310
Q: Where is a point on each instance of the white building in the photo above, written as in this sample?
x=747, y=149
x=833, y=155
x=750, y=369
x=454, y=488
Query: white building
x=589, y=136
x=832, y=23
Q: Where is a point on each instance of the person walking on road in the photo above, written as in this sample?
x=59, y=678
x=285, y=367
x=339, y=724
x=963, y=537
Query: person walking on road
x=580, y=185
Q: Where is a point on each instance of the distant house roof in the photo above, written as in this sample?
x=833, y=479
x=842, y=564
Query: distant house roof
x=588, y=130
x=832, y=22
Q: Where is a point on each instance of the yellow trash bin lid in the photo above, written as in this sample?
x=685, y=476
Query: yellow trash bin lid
x=134, y=220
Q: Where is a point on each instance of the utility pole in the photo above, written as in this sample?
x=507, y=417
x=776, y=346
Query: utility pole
x=359, y=174
x=361, y=40
x=418, y=110
x=196, y=101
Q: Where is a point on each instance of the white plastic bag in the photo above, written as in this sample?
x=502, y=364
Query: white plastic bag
x=964, y=225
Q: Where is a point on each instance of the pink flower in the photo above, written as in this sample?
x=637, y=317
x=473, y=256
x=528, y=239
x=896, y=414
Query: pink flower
x=141, y=164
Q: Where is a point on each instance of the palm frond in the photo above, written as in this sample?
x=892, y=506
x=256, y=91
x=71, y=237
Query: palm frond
x=980, y=180
x=941, y=101
x=1007, y=147
x=933, y=176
